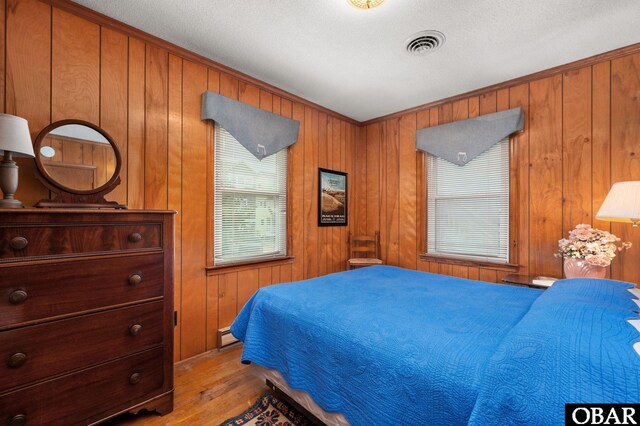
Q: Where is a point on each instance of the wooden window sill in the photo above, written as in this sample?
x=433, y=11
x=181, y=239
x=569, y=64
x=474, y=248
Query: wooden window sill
x=511, y=267
x=240, y=266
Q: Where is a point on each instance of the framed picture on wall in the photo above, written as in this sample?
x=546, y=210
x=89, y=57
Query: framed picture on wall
x=332, y=198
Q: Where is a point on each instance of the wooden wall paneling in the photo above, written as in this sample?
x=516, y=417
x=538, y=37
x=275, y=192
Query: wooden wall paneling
x=266, y=101
x=212, y=281
x=249, y=94
x=264, y=277
x=473, y=273
x=502, y=100
x=460, y=110
x=445, y=113
x=488, y=275
x=601, y=139
x=277, y=101
x=72, y=153
x=361, y=179
x=392, y=192
x=28, y=93
x=248, y=284
x=546, y=175
x=286, y=273
x=213, y=312
x=135, y=130
x=576, y=148
x=114, y=65
x=445, y=269
x=383, y=209
x=474, y=106
x=407, y=196
x=460, y=271
x=625, y=156
x=174, y=185
x=311, y=193
x=373, y=178
x=519, y=97
x=342, y=142
x=422, y=121
x=75, y=68
x=275, y=275
x=324, y=232
x=229, y=86
x=156, y=99
x=296, y=207
x=488, y=103
x=194, y=213
x=336, y=134
x=227, y=298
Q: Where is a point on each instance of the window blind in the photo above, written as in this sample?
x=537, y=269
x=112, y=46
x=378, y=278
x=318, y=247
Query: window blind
x=468, y=206
x=250, y=202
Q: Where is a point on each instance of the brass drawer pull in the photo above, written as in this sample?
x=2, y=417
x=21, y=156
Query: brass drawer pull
x=135, y=237
x=135, y=279
x=18, y=420
x=135, y=378
x=18, y=243
x=17, y=297
x=17, y=360
x=135, y=329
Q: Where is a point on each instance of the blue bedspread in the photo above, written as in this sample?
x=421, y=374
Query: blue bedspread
x=383, y=345
x=573, y=346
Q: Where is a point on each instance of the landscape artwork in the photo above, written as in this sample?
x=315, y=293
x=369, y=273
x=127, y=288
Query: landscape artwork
x=332, y=198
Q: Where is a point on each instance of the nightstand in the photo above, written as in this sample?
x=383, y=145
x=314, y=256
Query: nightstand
x=523, y=281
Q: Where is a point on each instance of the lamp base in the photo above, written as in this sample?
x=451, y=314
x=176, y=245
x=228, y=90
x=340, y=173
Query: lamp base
x=9, y=182
x=9, y=203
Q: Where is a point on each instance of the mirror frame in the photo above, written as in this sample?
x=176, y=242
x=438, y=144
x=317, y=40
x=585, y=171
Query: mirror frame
x=62, y=195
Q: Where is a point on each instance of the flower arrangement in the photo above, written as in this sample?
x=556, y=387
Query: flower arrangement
x=595, y=246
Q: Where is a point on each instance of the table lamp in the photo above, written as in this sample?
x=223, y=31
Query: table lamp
x=622, y=203
x=15, y=141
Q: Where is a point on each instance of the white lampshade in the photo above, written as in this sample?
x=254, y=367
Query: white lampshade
x=15, y=136
x=622, y=203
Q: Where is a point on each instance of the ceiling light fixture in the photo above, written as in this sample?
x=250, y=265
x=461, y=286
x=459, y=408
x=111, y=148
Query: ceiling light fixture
x=365, y=4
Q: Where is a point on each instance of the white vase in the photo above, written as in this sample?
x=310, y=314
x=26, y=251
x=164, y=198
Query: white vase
x=580, y=268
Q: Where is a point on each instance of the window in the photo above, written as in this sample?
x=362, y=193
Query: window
x=250, y=203
x=468, y=206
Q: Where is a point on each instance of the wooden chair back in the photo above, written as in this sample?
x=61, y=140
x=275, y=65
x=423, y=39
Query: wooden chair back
x=364, y=246
x=364, y=251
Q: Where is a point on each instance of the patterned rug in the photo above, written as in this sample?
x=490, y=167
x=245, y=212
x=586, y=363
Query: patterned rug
x=269, y=411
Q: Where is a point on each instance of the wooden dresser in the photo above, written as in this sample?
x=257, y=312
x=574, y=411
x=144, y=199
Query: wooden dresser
x=86, y=315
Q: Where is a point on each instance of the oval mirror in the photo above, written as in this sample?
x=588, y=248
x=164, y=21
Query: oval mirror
x=77, y=159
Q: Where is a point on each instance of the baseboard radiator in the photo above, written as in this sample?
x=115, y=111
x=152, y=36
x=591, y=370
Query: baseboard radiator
x=226, y=339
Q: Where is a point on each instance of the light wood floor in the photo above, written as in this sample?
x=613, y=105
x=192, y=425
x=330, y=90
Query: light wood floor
x=209, y=389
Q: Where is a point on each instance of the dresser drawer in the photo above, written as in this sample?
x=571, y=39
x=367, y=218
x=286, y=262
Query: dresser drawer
x=88, y=395
x=27, y=293
x=33, y=353
x=49, y=240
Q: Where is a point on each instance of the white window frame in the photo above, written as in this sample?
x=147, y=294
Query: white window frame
x=459, y=228
x=225, y=253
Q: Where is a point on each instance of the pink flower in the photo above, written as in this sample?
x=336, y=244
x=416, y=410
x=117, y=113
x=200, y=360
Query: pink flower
x=595, y=246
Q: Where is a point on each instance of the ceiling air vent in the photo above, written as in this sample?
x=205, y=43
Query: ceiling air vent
x=424, y=42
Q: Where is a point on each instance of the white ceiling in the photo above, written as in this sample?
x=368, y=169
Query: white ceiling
x=353, y=61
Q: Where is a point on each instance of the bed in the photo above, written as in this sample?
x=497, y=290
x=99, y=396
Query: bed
x=385, y=345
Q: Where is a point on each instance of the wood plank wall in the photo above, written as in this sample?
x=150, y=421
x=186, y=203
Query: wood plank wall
x=582, y=133
x=147, y=97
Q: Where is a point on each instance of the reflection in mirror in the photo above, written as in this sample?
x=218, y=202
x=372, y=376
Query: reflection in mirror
x=78, y=157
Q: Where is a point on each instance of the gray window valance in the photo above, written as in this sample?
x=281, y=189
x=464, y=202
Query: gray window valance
x=261, y=132
x=462, y=141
